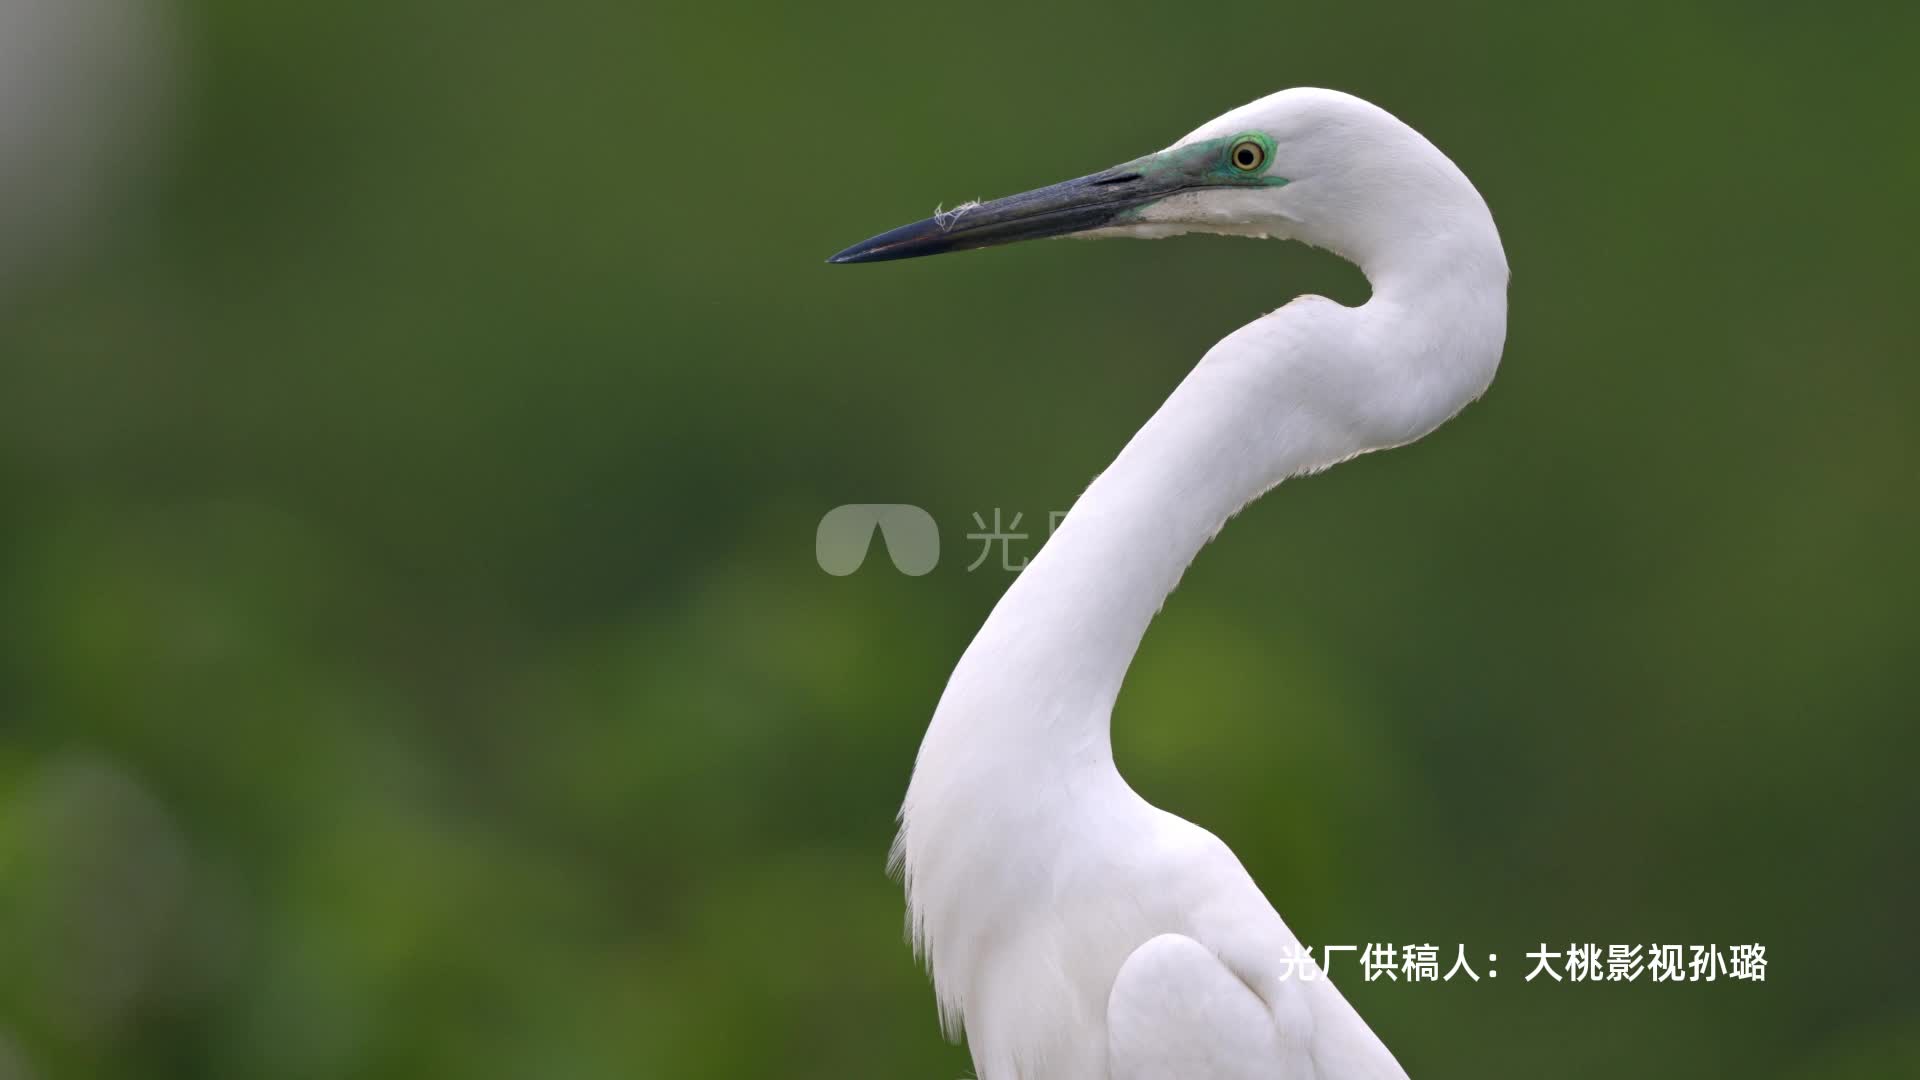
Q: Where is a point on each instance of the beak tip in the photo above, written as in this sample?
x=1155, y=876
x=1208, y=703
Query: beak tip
x=905, y=242
x=1068, y=207
x=879, y=249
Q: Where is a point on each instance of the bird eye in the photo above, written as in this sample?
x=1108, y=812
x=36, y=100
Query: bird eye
x=1247, y=155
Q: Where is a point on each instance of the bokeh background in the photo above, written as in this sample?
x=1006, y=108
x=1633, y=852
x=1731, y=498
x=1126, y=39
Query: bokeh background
x=415, y=415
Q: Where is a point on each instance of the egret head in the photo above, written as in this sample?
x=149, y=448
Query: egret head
x=1314, y=165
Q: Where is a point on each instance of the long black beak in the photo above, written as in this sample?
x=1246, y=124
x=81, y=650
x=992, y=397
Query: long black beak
x=1089, y=202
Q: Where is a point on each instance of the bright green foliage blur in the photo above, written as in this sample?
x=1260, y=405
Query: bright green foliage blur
x=413, y=661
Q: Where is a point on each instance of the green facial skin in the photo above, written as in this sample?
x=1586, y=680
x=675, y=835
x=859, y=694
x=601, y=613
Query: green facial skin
x=1209, y=163
x=1204, y=164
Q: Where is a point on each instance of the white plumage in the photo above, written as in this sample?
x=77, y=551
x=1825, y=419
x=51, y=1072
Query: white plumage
x=1074, y=931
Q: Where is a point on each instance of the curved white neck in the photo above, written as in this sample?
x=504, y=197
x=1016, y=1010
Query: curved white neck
x=1053, y=653
x=1296, y=391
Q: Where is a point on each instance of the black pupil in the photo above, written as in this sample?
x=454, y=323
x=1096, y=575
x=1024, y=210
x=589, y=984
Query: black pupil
x=1245, y=157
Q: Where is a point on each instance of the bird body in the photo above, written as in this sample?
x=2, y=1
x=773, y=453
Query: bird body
x=1074, y=931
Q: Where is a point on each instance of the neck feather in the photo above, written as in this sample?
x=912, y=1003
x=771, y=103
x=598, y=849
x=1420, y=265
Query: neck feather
x=1067, y=628
x=1298, y=390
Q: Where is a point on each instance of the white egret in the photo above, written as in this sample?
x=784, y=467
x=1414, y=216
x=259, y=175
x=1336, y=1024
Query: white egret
x=1073, y=930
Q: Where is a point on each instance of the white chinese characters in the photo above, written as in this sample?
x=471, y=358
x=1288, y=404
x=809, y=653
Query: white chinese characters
x=1579, y=962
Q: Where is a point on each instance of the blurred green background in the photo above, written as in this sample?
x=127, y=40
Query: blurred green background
x=414, y=418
